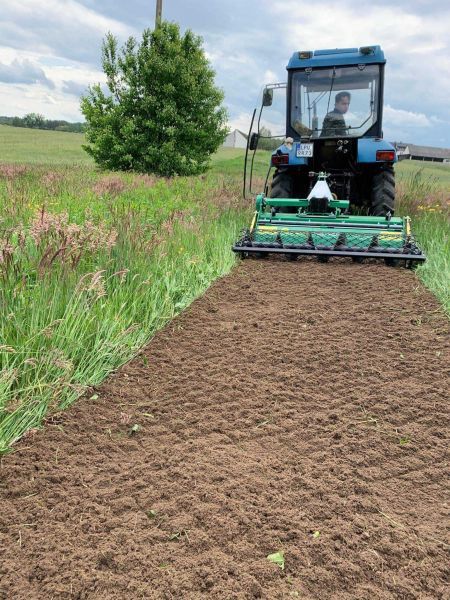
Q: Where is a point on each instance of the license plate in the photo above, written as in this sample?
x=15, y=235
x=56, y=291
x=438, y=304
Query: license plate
x=304, y=150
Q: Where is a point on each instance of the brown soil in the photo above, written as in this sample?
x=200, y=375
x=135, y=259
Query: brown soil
x=293, y=398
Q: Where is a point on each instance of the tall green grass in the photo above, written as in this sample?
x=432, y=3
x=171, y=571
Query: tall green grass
x=75, y=305
x=433, y=233
x=422, y=195
x=439, y=173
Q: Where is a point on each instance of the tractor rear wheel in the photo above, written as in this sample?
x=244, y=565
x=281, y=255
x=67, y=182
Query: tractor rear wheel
x=383, y=193
x=282, y=185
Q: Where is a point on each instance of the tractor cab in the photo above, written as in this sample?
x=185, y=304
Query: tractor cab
x=333, y=107
x=335, y=102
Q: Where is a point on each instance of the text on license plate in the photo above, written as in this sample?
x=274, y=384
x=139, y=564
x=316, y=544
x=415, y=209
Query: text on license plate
x=304, y=150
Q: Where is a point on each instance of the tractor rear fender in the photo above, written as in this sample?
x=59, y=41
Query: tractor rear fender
x=368, y=148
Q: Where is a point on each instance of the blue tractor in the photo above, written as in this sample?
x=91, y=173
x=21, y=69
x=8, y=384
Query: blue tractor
x=333, y=161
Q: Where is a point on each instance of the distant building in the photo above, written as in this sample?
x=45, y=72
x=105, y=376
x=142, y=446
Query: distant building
x=235, y=139
x=426, y=153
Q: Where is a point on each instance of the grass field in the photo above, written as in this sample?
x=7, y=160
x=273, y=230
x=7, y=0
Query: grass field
x=437, y=173
x=34, y=146
x=92, y=263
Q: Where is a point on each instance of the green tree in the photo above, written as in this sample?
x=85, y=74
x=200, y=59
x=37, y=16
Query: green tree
x=34, y=120
x=163, y=112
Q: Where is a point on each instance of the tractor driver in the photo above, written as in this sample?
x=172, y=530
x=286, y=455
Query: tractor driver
x=334, y=122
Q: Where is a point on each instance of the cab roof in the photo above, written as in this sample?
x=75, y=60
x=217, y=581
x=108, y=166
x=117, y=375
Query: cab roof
x=338, y=56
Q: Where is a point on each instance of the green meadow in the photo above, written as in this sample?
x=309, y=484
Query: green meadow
x=92, y=263
x=35, y=146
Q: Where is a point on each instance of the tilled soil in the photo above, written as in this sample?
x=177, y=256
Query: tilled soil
x=295, y=408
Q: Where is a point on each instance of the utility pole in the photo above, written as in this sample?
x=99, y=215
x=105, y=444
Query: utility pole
x=158, y=13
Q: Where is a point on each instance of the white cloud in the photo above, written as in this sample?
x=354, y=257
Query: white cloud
x=64, y=28
x=50, y=99
x=404, y=118
x=74, y=87
x=67, y=12
x=327, y=24
x=23, y=71
x=271, y=77
x=67, y=80
x=18, y=100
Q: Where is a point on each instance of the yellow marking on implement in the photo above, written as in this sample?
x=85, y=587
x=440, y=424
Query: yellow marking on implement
x=252, y=226
x=272, y=229
x=408, y=226
x=387, y=234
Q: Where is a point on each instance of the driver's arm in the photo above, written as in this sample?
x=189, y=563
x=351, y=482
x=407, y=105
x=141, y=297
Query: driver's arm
x=301, y=129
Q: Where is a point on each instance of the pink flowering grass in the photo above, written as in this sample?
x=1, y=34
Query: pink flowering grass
x=144, y=180
x=52, y=181
x=110, y=185
x=11, y=172
x=50, y=240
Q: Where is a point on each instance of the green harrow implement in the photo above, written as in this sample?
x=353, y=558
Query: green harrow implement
x=321, y=227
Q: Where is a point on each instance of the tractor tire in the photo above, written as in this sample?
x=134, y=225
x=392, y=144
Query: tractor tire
x=383, y=193
x=282, y=185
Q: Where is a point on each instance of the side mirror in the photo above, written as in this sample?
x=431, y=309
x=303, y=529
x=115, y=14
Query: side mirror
x=254, y=139
x=267, y=97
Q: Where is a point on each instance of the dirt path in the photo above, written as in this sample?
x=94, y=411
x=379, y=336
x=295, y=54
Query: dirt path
x=292, y=398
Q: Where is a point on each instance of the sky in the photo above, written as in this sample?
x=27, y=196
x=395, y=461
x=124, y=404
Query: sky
x=50, y=51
